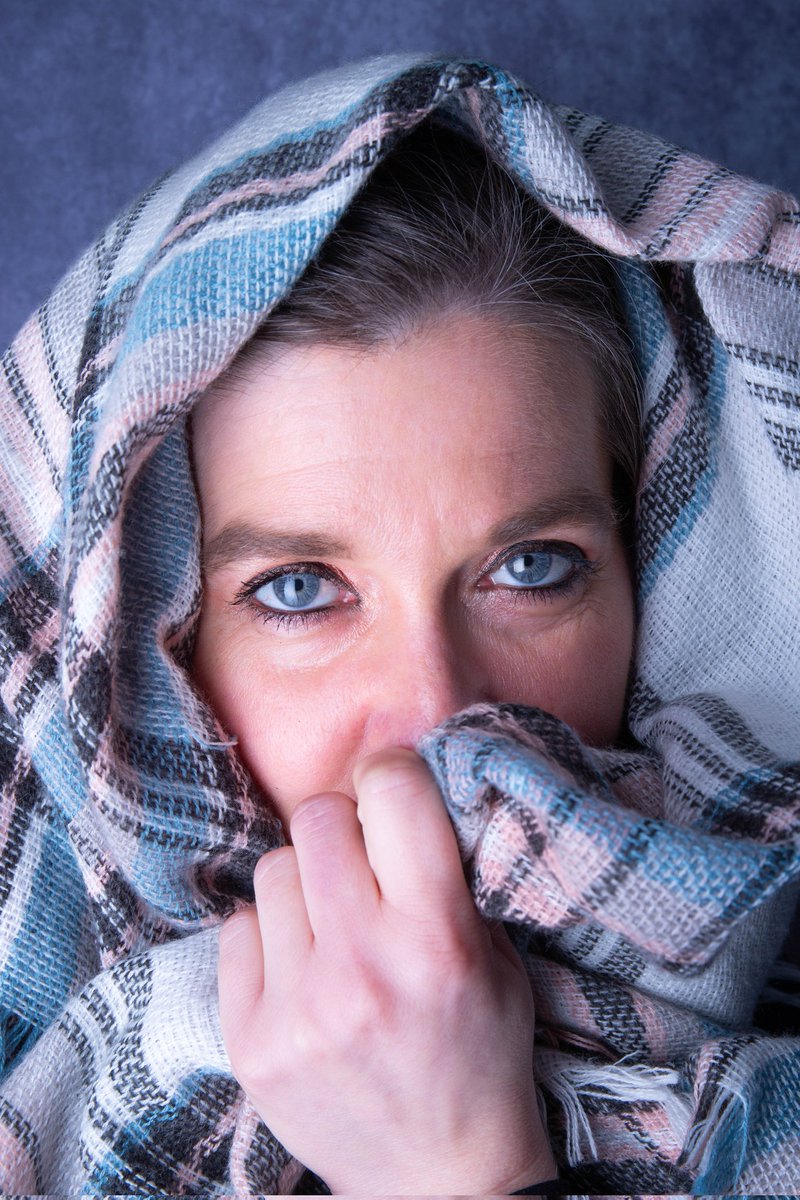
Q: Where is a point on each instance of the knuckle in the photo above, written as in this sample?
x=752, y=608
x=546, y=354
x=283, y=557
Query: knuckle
x=265, y=1057
x=372, y=1011
x=275, y=863
x=255, y=1075
x=390, y=772
x=447, y=967
x=308, y=1040
x=253, y=1071
x=364, y=1014
x=341, y=1034
x=318, y=810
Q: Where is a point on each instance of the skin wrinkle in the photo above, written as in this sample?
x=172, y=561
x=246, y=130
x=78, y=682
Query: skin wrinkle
x=239, y=540
x=378, y=447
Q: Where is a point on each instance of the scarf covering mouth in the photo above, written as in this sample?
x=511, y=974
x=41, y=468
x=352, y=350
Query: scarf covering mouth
x=647, y=890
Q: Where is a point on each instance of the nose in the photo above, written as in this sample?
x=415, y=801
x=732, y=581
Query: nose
x=425, y=676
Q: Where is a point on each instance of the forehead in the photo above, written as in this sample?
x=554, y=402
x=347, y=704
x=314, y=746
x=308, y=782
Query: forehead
x=462, y=410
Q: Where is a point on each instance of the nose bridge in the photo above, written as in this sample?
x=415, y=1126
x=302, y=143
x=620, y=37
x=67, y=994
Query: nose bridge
x=426, y=674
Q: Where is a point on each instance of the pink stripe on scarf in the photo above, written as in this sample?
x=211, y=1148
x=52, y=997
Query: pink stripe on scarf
x=371, y=131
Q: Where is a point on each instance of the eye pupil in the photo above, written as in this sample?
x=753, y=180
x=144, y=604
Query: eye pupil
x=539, y=573
x=531, y=567
x=296, y=590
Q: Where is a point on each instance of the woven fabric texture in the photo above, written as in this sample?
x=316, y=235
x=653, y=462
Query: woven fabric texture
x=648, y=890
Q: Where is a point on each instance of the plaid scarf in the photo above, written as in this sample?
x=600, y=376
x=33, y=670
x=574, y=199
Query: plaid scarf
x=648, y=890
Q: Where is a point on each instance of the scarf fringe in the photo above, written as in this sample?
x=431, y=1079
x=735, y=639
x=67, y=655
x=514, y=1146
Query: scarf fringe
x=715, y=1148
x=570, y=1083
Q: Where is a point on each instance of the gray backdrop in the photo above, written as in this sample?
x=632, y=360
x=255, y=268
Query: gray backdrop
x=98, y=97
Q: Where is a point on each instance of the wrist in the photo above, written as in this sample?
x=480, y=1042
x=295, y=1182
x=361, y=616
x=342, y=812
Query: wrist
x=519, y=1171
x=457, y=1186
x=543, y=1172
x=497, y=1167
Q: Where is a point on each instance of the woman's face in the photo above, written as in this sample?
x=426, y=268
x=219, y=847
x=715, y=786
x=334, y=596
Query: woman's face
x=392, y=535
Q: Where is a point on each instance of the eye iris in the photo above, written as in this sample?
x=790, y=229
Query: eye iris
x=532, y=567
x=296, y=590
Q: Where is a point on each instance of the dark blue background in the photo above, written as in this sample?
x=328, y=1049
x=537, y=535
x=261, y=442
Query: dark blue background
x=98, y=97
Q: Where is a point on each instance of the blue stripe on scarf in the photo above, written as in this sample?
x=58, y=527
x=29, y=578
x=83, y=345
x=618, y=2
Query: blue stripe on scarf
x=290, y=137
x=755, y=1121
x=41, y=958
x=224, y=278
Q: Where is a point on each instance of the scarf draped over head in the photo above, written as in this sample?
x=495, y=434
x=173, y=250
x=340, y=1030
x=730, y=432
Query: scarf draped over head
x=647, y=890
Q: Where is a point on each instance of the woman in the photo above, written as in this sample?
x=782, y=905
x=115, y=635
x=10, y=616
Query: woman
x=472, y=446
x=444, y=291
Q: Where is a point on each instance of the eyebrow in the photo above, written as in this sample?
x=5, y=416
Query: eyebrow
x=240, y=540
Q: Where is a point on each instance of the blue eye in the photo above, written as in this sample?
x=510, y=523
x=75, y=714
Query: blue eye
x=306, y=593
x=295, y=592
x=535, y=569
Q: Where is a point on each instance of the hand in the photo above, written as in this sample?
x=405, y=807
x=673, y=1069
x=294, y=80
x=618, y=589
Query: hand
x=381, y=1029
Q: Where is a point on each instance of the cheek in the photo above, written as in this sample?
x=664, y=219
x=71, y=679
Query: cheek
x=290, y=725
x=300, y=731
x=580, y=673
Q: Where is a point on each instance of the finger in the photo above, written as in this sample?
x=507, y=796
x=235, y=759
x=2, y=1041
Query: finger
x=240, y=971
x=338, y=884
x=408, y=834
x=286, y=936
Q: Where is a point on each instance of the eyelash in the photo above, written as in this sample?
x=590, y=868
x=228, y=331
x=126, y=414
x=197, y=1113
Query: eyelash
x=582, y=569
